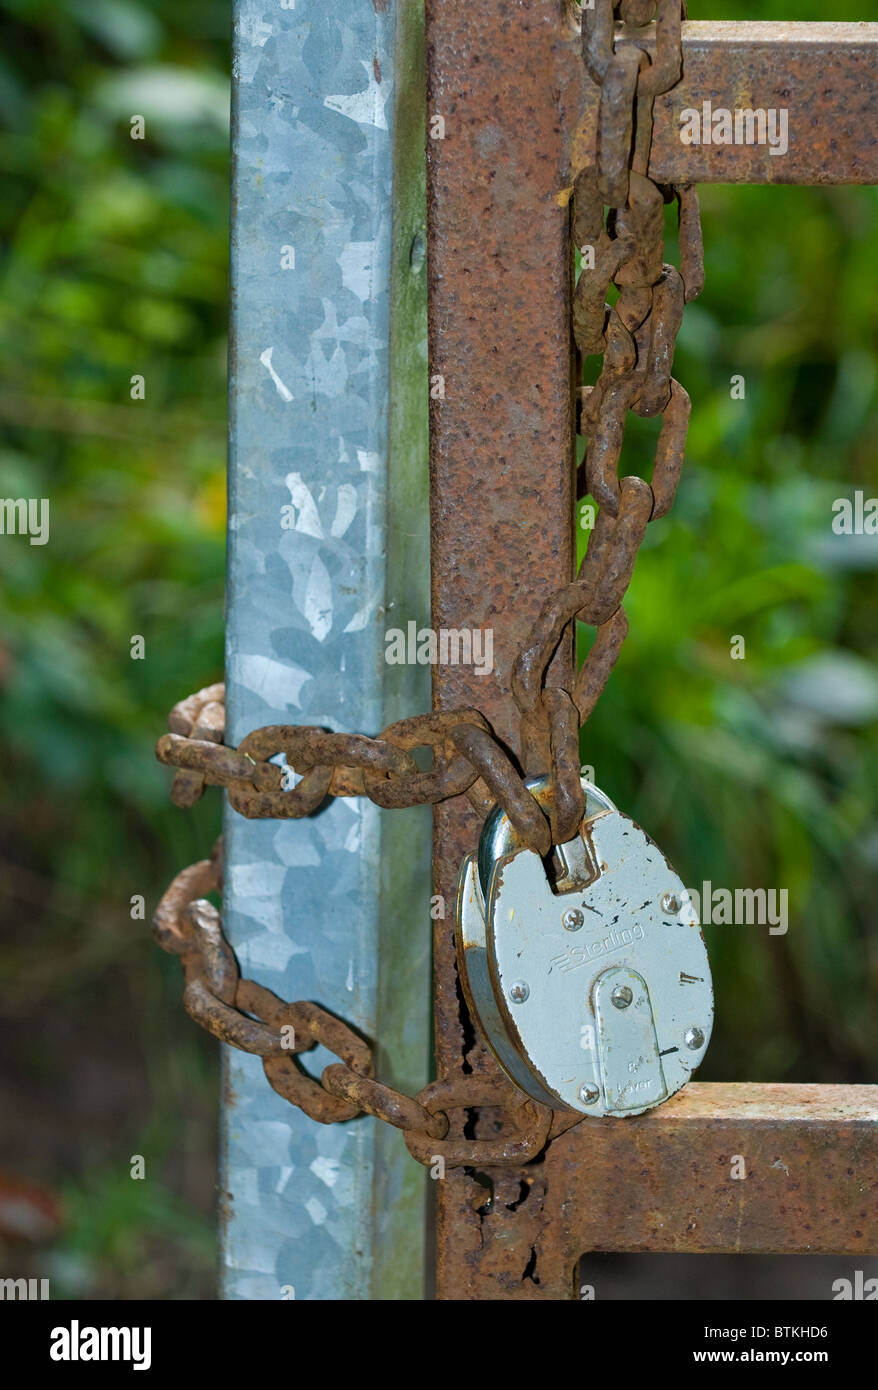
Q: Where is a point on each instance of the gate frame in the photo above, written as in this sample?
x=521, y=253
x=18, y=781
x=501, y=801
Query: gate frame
x=509, y=83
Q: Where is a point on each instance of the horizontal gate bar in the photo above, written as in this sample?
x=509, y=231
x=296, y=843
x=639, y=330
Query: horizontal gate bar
x=816, y=85
x=766, y=1169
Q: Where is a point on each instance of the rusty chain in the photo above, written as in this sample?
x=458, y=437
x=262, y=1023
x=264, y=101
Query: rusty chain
x=618, y=226
x=252, y=1018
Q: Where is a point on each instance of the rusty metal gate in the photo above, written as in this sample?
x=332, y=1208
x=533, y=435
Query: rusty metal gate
x=500, y=261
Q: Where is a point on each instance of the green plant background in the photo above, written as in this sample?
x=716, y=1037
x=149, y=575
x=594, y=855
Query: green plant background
x=749, y=773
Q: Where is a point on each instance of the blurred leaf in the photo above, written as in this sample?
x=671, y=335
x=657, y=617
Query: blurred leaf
x=166, y=96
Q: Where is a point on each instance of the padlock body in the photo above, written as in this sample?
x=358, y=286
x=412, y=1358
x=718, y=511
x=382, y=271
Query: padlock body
x=598, y=998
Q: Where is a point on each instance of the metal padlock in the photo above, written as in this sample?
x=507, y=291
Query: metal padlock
x=593, y=990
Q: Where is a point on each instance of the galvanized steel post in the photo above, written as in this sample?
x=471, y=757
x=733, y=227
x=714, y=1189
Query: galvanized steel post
x=327, y=449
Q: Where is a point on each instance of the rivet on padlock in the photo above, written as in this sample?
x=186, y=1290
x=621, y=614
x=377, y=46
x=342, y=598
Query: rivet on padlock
x=593, y=991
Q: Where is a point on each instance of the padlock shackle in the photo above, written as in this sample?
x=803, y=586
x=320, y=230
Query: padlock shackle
x=499, y=836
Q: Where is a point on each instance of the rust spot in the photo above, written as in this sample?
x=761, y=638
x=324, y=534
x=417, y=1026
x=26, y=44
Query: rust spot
x=225, y=1207
x=376, y=68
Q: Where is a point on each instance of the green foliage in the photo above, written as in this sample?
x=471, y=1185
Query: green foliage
x=761, y=772
x=133, y=1232
x=114, y=264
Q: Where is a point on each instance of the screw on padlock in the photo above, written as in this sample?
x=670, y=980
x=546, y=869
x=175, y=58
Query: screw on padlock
x=592, y=986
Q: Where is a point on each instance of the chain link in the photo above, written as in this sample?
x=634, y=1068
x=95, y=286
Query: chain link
x=250, y=1017
x=618, y=225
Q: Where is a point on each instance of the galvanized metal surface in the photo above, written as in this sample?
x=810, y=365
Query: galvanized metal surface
x=824, y=75
x=306, y=902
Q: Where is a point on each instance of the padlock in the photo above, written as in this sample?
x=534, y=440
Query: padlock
x=588, y=973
